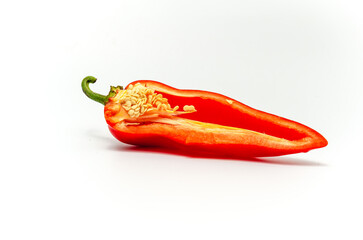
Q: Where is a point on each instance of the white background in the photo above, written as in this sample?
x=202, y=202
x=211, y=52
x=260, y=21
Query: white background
x=63, y=176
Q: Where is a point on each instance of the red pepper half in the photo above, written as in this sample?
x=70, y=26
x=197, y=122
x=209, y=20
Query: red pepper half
x=149, y=113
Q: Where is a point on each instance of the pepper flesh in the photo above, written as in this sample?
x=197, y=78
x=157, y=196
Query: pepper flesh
x=211, y=123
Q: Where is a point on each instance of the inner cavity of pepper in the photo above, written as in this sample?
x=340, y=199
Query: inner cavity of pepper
x=138, y=103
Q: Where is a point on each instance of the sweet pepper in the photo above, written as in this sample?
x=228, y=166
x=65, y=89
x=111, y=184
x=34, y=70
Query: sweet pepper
x=150, y=113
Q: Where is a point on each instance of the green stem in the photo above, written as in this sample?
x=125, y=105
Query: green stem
x=96, y=96
x=92, y=95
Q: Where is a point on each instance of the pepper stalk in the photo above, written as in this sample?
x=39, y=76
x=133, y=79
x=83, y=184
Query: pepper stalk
x=103, y=99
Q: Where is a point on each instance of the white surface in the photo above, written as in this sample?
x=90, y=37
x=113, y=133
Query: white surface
x=63, y=176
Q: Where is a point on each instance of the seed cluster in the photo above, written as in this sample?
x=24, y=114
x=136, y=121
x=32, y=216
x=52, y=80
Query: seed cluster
x=189, y=108
x=138, y=100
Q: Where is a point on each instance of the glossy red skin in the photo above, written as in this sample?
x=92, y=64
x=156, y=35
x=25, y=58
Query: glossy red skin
x=288, y=136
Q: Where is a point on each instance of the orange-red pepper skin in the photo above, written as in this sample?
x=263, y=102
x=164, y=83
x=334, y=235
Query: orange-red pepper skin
x=259, y=134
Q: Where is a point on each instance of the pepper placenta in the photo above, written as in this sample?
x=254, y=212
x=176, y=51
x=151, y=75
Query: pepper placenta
x=149, y=113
